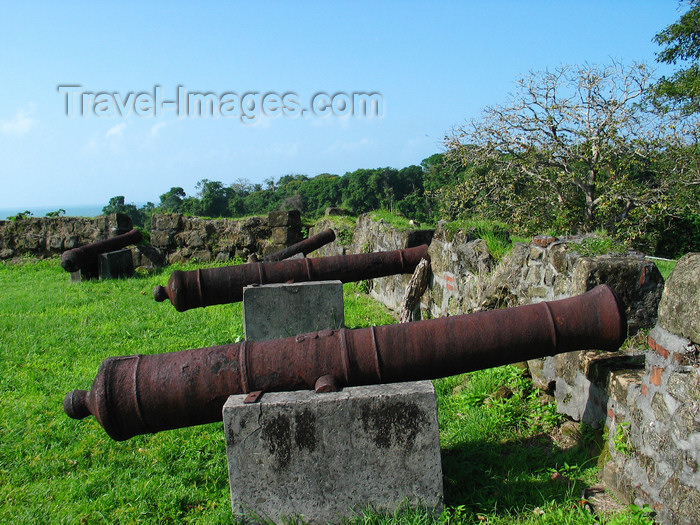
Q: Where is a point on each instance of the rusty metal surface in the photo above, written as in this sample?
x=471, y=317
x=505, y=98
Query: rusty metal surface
x=206, y=287
x=253, y=397
x=83, y=257
x=147, y=393
x=306, y=246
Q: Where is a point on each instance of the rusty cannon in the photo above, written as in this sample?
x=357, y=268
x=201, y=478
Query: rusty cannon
x=85, y=257
x=305, y=247
x=206, y=287
x=142, y=394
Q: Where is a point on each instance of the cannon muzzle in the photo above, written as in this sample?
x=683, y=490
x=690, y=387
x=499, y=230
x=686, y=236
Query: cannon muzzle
x=85, y=257
x=206, y=287
x=306, y=246
x=148, y=393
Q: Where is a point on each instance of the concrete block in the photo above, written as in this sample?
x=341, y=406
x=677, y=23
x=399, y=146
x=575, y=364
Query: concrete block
x=87, y=274
x=115, y=265
x=327, y=456
x=81, y=275
x=273, y=311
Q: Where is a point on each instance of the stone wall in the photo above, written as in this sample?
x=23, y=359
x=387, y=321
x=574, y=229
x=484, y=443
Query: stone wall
x=174, y=237
x=181, y=238
x=467, y=278
x=647, y=397
x=370, y=235
x=48, y=236
x=653, y=411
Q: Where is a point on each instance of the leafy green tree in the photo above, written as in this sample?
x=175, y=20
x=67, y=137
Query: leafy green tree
x=117, y=205
x=171, y=201
x=190, y=206
x=21, y=215
x=213, y=198
x=260, y=202
x=239, y=190
x=681, y=42
x=573, y=149
x=320, y=192
x=56, y=213
x=147, y=211
x=365, y=190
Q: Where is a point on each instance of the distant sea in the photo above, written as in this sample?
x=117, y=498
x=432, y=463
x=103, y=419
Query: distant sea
x=41, y=211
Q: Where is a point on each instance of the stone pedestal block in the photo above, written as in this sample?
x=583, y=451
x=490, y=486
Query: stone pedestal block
x=328, y=456
x=115, y=265
x=85, y=275
x=273, y=311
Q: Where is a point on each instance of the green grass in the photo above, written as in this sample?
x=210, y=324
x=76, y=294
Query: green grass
x=497, y=457
x=397, y=221
x=344, y=225
x=602, y=244
x=495, y=234
x=665, y=266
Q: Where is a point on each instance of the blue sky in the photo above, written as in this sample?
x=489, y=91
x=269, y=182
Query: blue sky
x=433, y=65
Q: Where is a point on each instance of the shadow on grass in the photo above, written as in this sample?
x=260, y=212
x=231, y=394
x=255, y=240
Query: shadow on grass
x=508, y=477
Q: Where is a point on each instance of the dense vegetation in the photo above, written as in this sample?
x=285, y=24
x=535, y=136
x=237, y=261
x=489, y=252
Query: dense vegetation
x=666, y=223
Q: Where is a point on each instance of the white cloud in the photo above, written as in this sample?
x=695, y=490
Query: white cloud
x=155, y=129
x=20, y=124
x=116, y=131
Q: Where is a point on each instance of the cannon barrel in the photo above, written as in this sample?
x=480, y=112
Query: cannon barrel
x=306, y=246
x=148, y=393
x=83, y=257
x=205, y=287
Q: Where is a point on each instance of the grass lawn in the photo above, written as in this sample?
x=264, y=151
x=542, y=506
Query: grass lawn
x=499, y=461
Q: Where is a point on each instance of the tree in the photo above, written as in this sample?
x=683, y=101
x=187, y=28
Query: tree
x=171, y=201
x=117, y=205
x=238, y=191
x=320, y=192
x=213, y=198
x=575, y=145
x=681, y=41
x=21, y=216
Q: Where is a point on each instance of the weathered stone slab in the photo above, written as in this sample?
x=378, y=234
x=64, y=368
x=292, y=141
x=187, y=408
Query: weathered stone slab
x=636, y=281
x=84, y=275
x=284, y=218
x=115, y=265
x=326, y=456
x=273, y=311
x=679, y=309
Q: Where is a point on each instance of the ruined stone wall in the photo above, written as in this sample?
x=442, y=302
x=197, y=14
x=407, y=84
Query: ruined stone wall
x=653, y=411
x=467, y=278
x=181, y=238
x=174, y=237
x=370, y=235
x=48, y=236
